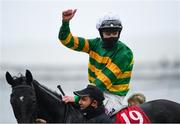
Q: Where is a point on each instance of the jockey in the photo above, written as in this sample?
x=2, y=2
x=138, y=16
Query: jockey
x=136, y=99
x=110, y=60
x=91, y=105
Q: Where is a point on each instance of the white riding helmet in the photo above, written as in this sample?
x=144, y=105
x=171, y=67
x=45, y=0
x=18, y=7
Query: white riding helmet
x=109, y=21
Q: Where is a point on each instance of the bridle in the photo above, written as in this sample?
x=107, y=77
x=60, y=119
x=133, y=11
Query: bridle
x=31, y=87
x=22, y=86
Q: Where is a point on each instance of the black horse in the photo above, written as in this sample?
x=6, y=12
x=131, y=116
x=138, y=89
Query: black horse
x=30, y=100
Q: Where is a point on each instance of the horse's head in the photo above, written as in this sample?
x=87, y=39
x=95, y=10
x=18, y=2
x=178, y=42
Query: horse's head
x=31, y=100
x=23, y=97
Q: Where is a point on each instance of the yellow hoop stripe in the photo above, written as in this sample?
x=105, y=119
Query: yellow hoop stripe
x=86, y=46
x=91, y=78
x=111, y=66
x=106, y=81
x=98, y=58
x=76, y=43
x=67, y=40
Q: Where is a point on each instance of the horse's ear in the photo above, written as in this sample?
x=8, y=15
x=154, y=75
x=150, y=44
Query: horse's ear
x=9, y=78
x=29, y=77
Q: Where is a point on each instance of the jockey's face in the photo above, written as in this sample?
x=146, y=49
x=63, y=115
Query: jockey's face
x=110, y=34
x=86, y=101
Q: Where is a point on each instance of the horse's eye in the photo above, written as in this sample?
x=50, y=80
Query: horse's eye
x=34, y=101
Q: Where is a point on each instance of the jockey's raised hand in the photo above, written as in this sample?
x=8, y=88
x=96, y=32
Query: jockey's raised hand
x=67, y=15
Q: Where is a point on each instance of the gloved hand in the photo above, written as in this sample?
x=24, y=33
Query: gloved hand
x=40, y=121
x=67, y=15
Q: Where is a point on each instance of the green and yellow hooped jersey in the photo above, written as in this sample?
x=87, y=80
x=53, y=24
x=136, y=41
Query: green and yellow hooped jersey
x=110, y=70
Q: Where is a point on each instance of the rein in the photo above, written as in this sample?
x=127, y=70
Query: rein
x=51, y=94
x=22, y=86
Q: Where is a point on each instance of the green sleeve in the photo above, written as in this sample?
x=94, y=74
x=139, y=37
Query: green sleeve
x=64, y=31
x=76, y=98
x=73, y=42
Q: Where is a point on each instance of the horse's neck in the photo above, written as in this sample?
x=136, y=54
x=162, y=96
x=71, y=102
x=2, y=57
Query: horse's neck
x=50, y=105
x=44, y=91
x=49, y=99
x=73, y=114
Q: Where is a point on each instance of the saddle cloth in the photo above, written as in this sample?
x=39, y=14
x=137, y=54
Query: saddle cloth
x=132, y=114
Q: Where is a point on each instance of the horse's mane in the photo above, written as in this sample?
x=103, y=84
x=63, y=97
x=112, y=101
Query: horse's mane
x=20, y=80
x=47, y=89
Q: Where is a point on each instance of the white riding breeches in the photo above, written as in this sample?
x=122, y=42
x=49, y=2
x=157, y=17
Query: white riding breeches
x=113, y=103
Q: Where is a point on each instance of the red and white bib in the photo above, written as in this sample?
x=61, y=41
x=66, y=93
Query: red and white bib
x=132, y=114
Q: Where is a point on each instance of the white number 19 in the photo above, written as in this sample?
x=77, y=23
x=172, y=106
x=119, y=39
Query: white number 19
x=135, y=115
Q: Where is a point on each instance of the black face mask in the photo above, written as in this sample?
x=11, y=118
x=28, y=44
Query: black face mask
x=91, y=112
x=109, y=43
x=88, y=110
